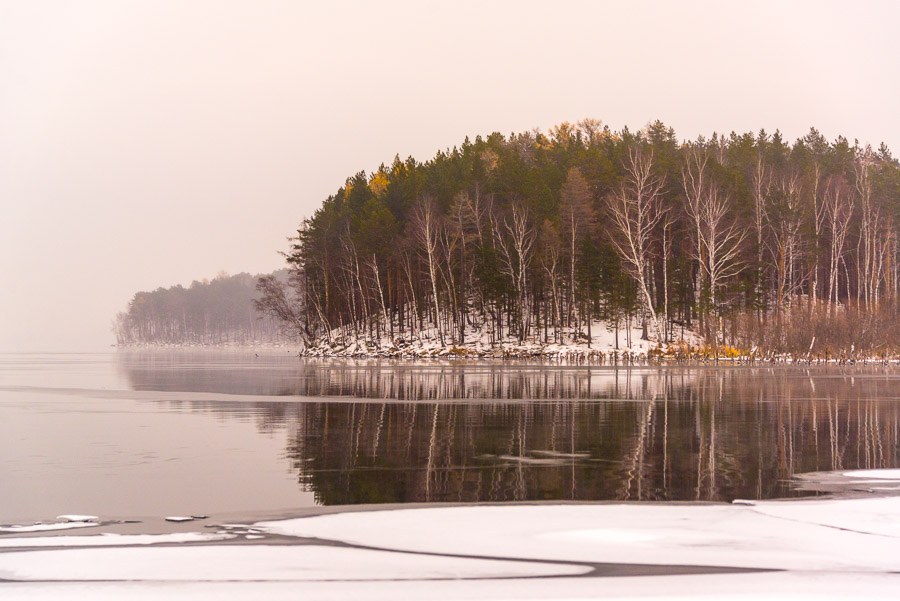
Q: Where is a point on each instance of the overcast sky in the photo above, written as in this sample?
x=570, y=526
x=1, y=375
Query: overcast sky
x=147, y=144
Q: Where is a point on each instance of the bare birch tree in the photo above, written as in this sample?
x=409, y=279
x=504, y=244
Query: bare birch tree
x=516, y=242
x=372, y=264
x=406, y=265
x=448, y=238
x=818, y=214
x=862, y=167
x=355, y=282
x=694, y=181
x=785, y=222
x=720, y=243
x=426, y=223
x=761, y=180
x=838, y=211
x=550, y=262
x=634, y=211
x=578, y=217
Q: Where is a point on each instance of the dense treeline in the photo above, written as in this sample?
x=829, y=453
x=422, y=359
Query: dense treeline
x=220, y=311
x=748, y=239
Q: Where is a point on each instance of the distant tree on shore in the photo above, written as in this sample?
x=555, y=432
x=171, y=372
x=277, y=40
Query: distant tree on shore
x=218, y=311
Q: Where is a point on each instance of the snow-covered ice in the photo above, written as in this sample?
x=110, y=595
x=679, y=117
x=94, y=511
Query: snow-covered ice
x=796, y=535
x=108, y=539
x=72, y=517
x=874, y=474
x=802, y=549
x=40, y=527
x=879, y=516
x=66, y=521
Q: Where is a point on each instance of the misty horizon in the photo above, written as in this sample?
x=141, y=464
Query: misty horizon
x=147, y=146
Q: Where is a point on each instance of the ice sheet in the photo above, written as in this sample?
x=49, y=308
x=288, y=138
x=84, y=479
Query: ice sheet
x=818, y=549
x=877, y=516
x=793, y=535
x=73, y=517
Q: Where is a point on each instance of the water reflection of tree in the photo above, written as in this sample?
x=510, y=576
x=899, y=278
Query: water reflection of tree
x=285, y=375
x=512, y=431
x=711, y=436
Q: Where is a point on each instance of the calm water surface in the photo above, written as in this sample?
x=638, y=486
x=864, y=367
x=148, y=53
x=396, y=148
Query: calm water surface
x=156, y=433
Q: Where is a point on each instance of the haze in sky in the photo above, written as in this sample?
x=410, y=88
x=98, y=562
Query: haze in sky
x=147, y=144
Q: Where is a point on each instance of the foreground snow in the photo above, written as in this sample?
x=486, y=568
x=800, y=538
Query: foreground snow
x=808, y=549
x=859, y=535
x=260, y=562
x=810, y=586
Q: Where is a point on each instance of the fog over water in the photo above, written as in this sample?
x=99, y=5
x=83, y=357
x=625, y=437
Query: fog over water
x=147, y=144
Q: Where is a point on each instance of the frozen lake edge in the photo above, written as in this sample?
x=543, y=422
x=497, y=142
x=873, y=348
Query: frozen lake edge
x=823, y=548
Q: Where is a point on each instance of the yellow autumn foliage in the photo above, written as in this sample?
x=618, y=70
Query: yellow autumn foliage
x=378, y=184
x=490, y=159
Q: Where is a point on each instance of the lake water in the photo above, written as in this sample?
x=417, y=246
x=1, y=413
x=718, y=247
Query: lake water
x=155, y=433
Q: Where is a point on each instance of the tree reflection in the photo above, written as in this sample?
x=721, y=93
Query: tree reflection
x=501, y=432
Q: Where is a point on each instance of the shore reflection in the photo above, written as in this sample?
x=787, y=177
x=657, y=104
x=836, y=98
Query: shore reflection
x=506, y=431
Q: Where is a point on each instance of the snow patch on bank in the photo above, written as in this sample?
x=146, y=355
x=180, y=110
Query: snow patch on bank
x=604, y=344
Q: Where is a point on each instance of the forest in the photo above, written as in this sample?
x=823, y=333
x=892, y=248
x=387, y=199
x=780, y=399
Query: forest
x=749, y=244
x=209, y=312
x=747, y=240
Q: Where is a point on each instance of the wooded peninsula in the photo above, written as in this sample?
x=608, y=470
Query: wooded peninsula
x=590, y=241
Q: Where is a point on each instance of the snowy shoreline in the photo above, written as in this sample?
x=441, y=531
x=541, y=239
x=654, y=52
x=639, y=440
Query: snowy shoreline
x=602, y=350
x=674, y=354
